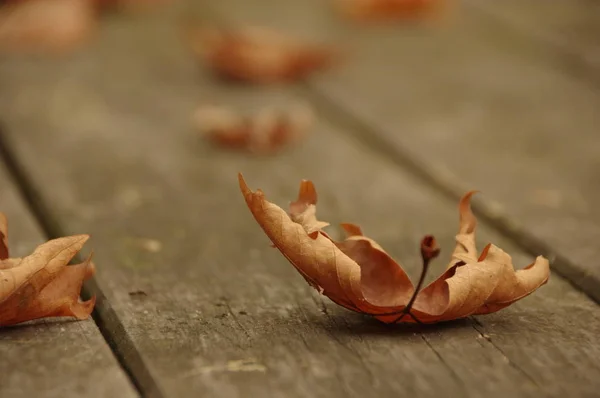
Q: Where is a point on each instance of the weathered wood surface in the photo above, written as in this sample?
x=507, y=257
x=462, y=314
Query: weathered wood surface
x=469, y=106
x=58, y=358
x=570, y=26
x=106, y=139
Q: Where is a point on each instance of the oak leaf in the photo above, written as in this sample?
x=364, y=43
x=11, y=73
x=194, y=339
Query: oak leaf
x=258, y=55
x=264, y=132
x=358, y=274
x=42, y=285
x=46, y=26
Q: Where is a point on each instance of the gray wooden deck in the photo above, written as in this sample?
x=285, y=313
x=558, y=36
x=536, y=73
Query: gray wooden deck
x=505, y=101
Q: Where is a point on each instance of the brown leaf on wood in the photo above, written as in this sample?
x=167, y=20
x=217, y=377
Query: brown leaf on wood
x=42, y=284
x=45, y=26
x=382, y=10
x=359, y=275
x=258, y=55
x=264, y=132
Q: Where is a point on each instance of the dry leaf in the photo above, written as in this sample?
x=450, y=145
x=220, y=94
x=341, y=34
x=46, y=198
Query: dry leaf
x=365, y=10
x=42, y=285
x=266, y=131
x=47, y=26
x=359, y=275
x=258, y=55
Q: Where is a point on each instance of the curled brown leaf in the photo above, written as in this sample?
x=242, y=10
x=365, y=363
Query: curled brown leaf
x=359, y=275
x=258, y=55
x=42, y=284
x=267, y=131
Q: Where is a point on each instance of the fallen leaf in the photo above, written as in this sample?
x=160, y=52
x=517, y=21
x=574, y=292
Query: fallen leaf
x=46, y=26
x=258, y=55
x=359, y=275
x=268, y=130
x=380, y=10
x=42, y=285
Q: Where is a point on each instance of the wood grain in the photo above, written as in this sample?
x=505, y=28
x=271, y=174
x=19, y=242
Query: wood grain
x=106, y=139
x=56, y=357
x=570, y=27
x=468, y=105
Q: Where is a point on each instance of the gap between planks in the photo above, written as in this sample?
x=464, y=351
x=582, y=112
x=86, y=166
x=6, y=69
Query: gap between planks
x=361, y=130
x=452, y=189
x=576, y=63
x=111, y=327
x=104, y=316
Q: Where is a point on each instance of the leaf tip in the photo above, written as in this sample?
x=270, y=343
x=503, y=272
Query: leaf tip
x=243, y=186
x=4, y=252
x=82, y=310
x=545, y=264
x=90, y=267
x=466, y=198
x=81, y=237
x=351, y=229
x=69, y=241
x=468, y=221
x=307, y=193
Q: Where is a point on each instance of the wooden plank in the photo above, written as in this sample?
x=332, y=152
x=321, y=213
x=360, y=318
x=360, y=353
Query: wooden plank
x=469, y=106
x=570, y=26
x=58, y=357
x=220, y=312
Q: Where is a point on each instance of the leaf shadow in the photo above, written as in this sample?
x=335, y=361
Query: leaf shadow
x=36, y=325
x=344, y=324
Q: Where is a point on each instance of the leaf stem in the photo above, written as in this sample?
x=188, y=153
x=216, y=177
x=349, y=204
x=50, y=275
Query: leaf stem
x=429, y=251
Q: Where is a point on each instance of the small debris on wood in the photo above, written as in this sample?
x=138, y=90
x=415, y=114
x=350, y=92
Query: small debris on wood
x=138, y=294
x=239, y=365
x=151, y=245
